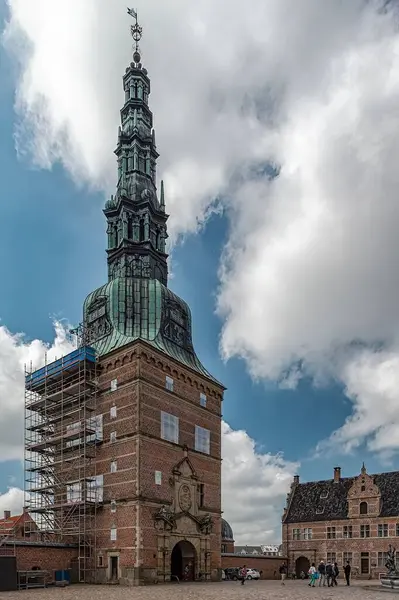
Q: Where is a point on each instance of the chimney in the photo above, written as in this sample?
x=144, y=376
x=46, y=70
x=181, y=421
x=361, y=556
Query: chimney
x=296, y=479
x=337, y=474
x=7, y=515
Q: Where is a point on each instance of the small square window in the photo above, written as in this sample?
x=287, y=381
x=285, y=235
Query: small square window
x=113, y=506
x=112, y=412
x=114, y=385
x=169, y=383
x=202, y=440
x=112, y=437
x=203, y=399
x=113, y=534
x=114, y=466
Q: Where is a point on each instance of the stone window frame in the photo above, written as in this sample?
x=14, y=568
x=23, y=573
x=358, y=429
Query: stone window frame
x=308, y=533
x=331, y=557
x=364, y=531
x=296, y=534
x=114, y=385
x=381, y=558
x=203, y=399
x=383, y=530
x=363, y=508
x=169, y=383
x=348, y=534
x=202, y=440
x=331, y=533
x=347, y=557
x=113, y=412
x=113, y=534
x=169, y=427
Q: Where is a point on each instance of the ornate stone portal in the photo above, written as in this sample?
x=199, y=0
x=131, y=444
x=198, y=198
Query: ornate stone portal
x=183, y=521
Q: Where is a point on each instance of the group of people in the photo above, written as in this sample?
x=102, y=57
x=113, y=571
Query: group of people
x=327, y=573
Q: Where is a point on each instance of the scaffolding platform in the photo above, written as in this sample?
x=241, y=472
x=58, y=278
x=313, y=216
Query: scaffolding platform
x=62, y=431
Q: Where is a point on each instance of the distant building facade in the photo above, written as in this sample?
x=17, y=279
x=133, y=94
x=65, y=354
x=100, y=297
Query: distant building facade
x=342, y=519
x=265, y=558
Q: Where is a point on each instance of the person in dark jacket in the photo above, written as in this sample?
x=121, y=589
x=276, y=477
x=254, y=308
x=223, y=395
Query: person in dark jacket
x=347, y=571
x=322, y=573
x=329, y=574
x=335, y=574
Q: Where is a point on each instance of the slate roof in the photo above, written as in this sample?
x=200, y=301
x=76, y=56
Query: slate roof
x=327, y=500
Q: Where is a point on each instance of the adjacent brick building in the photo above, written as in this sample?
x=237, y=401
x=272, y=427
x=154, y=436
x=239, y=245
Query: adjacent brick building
x=340, y=519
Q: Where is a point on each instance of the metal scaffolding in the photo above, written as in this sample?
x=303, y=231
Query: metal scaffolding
x=62, y=430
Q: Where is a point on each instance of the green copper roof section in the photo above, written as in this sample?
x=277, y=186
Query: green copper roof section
x=128, y=309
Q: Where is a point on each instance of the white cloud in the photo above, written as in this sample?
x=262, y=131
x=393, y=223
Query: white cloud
x=255, y=485
x=311, y=262
x=15, y=353
x=13, y=500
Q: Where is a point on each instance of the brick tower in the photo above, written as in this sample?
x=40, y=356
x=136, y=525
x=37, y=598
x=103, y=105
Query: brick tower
x=160, y=457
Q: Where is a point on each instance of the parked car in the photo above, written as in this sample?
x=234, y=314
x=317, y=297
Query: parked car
x=253, y=574
x=232, y=573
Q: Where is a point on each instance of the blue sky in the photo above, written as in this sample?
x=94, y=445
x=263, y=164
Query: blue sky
x=53, y=254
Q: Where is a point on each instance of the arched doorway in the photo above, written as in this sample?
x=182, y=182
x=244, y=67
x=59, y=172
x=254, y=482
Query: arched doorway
x=302, y=564
x=183, y=561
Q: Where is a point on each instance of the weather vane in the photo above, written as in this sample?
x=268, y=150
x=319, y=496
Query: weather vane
x=136, y=32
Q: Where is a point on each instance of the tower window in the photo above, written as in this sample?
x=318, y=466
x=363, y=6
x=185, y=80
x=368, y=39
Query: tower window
x=113, y=534
x=114, y=385
x=363, y=508
x=112, y=437
x=141, y=230
x=169, y=427
x=113, y=506
x=112, y=412
x=203, y=399
x=114, y=466
x=202, y=440
x=169, y=383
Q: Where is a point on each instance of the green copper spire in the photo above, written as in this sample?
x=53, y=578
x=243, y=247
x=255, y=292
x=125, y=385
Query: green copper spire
x=136, y=303
x=136, y=220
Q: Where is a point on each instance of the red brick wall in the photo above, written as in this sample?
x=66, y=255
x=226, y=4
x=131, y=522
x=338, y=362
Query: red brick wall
x=140, y=397
x=318, y=547
x=47, y=558
x=269, y=565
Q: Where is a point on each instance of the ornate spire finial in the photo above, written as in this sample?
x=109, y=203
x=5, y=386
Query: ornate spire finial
x=137, y=31
x=363, y=469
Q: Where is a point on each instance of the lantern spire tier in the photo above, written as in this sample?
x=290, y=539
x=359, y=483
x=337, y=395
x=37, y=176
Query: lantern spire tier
x=136, y=218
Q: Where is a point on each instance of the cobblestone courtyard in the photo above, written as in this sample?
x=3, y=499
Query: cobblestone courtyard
x=261, y=590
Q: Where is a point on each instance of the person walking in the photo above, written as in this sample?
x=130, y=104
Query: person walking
x=283, y=573
x=347, y=571
x=335, y=574
x=243, y=574
x=312, y=574
x=322, y=573
x=329, y=574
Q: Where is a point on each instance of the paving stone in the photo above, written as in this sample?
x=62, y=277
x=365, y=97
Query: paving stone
x=254, y=590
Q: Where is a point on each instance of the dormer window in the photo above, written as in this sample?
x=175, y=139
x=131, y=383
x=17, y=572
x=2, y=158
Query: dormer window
x=324, y=495
x=319, y=510
x=363, y=509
